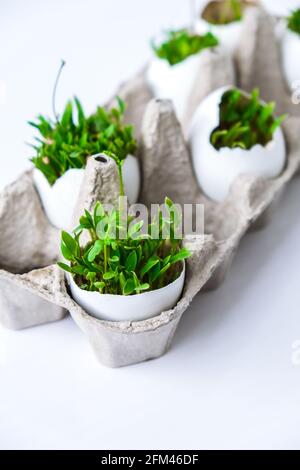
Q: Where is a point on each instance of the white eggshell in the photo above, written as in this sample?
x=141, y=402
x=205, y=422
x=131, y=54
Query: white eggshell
x=132, y=178
x=173, y=82
x=228, y=34
x=216, y=170
x=290, y=57
x=59, y=200
x=128, y=308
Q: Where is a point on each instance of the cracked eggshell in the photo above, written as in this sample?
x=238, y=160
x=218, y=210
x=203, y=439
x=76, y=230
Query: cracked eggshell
x=216, y=170
x=290, y=47
x=59, y=200
x=228, y=34
x=174, y=82
x=128, y=308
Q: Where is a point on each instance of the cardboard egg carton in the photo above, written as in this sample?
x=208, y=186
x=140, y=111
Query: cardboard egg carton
x=43, y=293
x=33, y=289
x=256, y=63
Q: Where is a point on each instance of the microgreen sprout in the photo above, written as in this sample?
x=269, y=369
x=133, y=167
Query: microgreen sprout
x=131, y=263
x=66, y=142
x=294, y=21
x=244, y=121
x=179, y=45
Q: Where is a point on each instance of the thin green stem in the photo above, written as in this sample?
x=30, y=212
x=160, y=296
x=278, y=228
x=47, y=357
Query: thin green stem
x=121, y=181
x=93, y=234
x=105, y=257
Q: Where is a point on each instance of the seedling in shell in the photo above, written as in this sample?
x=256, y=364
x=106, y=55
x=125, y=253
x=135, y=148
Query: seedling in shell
x=120, y=259
x=66, y=142
x=244, y=121
x=179, y=45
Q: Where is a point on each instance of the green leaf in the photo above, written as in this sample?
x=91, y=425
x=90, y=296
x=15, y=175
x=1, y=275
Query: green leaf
x=78, y=270
x=122, y=281
x=154, y=273
x=149, y=265
x=65, y=267
x=129, y=287
x=121, y=104
x=81, y=117
x=131, y=261
x=164, y=269
x=169, y=203
x=181, y=44
x=70, y=243
x=67, y=254
x=183, y=254
x=143, y=287
x=66, y=119
x=95, y=250
x=99, y=285
x=109, y=275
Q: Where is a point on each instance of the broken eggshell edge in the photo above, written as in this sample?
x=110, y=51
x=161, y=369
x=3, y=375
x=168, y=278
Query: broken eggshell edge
x=215, y=169
x=59, y=200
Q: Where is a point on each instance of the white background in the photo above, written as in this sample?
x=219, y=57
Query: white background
x=232, y=377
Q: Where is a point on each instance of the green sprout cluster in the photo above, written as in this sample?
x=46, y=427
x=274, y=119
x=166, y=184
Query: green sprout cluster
x=225, y=12
x=294, y=21
x=67, y=142
x=181, y=44
x=244, y=121
x=119, y=258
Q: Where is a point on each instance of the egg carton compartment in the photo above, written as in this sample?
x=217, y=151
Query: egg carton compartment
x=27, y=243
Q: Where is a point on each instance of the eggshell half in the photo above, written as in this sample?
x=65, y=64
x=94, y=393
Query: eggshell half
x=216, y=170
x=131, y=307
x=173, y=82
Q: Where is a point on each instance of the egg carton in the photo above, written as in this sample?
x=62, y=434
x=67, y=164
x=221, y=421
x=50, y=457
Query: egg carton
x=256, y=62
x=31, y=243
x=163, y=147
x=33, y=290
